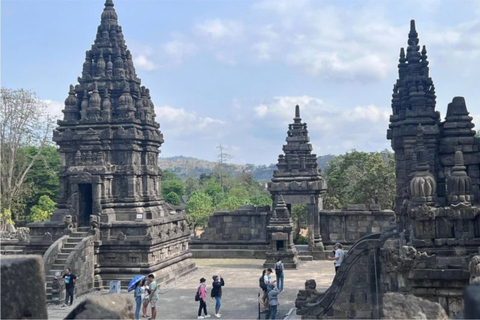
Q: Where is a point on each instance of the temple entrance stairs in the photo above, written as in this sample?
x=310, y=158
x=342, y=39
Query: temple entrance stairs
x=60, y=263
x=303, y=253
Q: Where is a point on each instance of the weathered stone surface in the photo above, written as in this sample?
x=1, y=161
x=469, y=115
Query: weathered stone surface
x=23, y=287
x=109, y=306
x=407, y=306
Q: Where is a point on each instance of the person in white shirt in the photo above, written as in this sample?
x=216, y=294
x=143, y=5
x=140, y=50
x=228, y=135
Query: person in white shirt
x=339, y=256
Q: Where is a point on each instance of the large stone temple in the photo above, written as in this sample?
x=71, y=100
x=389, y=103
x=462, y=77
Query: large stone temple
x=432, y=250
x=111, y=222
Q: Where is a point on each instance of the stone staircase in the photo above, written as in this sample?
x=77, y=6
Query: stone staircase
x=303, y=253
x=60, y=263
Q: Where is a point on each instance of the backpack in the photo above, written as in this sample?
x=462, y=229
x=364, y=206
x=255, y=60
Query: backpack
x=262, y=283
x=197, y=295
x=278, y=269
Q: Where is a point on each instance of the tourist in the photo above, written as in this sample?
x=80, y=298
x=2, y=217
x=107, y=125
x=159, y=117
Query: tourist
x=70, y=280
x=146, y=295
x=273, y=300
x=263, y=286
x=137, y=294
x=339, y=256
x=202, y=293
x=267, y=279
x=279, y=273
x=153, y=297
x=217, y=285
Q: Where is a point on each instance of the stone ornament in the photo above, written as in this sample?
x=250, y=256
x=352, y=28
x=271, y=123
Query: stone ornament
x=459, y=184
x=474, y=269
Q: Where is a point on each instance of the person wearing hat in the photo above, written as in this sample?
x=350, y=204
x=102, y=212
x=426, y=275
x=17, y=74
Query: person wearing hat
x=339, y=256
x=217, y=285
x=202, y=292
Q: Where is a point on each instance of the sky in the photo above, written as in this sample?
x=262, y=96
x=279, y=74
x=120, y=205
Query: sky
x=231, y=72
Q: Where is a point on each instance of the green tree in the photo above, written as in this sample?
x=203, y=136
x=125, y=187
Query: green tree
x=173, y=198
x=229, y=203
x=43, y=210
x=261, y=200
x=199, y=208
x=239, y=192
x=24, y=121
x=360, y=177
x=300, y=221
x=43, y=176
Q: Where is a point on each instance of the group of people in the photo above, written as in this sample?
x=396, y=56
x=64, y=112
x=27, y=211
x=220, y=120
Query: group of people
x=216, y=293
x=271, y=288
x=146, y=293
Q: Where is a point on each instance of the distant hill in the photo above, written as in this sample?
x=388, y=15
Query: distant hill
x=186, y=167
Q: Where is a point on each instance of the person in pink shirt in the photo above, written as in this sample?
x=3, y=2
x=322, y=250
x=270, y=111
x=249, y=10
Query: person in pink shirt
x=202, y=292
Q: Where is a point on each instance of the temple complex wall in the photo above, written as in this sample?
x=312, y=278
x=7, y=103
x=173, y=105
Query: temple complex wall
x=234, y=234
x=347, y=226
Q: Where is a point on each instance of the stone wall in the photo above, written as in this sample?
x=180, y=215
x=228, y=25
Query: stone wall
x=82, y=263
x=347, y=226
x=234, y=234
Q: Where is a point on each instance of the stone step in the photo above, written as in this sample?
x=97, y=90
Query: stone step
x=63, y=255
x=69, y=246
x=304, y=253
x=67, y=250
x=60, y=262
x=79, y=234
x=305, y=258
x=58, y=266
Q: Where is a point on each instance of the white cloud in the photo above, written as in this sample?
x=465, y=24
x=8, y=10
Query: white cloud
x=143, y=62
x=180, y=122
x=179, y=49
x=332, y=129
x=54, y=108
x=219, y=30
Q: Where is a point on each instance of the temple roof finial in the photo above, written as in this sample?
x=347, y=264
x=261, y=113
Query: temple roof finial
x=109, y=3
x=109, y=16
x=297, y=111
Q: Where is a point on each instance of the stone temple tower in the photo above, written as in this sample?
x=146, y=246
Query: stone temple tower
x=299, y=181
x=109, y=181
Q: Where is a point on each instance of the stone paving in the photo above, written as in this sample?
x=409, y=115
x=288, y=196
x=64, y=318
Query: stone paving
x=240, y=294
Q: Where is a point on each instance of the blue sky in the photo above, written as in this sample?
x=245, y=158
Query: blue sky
x=231, y=72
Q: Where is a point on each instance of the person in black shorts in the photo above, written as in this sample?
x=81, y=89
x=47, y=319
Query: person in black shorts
x=70, y=280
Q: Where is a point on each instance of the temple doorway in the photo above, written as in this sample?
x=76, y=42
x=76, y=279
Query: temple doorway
x=85, y=204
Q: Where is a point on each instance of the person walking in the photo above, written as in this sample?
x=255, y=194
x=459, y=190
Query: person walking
x=279, y=268
x=217, y=285
x=202, y=292
x=70, y=280
x=153, y=298
x=273, y=300
x=339, y=256
x=137, y=294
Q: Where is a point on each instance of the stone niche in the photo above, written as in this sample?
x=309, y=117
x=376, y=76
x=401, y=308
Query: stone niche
x=234, y=234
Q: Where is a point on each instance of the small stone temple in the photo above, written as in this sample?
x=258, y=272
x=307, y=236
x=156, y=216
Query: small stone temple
x=299, y=181
x=432, y=251
x=111, y=222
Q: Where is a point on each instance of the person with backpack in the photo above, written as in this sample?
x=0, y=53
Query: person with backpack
x=263, y=286
x=217, y=285
x=201, y=296
x=279, y=273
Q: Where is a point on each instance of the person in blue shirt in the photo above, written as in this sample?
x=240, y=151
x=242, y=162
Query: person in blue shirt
x=273, y=300
x=137, y=294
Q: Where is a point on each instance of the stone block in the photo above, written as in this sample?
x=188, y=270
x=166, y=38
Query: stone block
x=399, y=306
x=364, y=223
x=20, y=272
x=109, y=306
x=362, y=229
x=376, y=229
x=356, y=207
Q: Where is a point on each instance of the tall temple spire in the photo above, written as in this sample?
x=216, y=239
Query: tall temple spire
x=297, y=118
